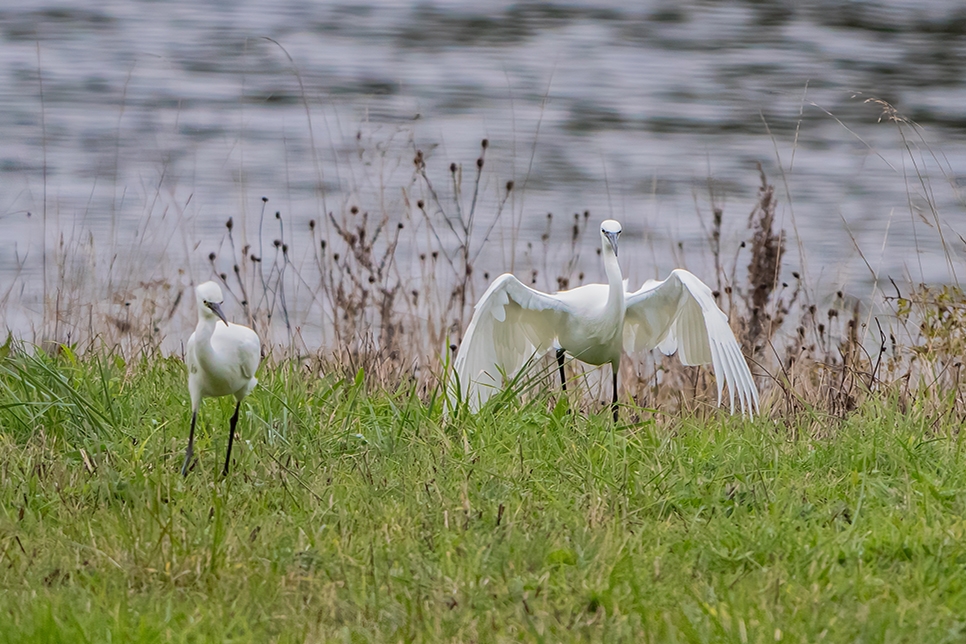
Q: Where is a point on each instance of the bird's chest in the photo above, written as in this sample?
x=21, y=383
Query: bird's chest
x=215, y=377
x=594, y=339
x=218, y=383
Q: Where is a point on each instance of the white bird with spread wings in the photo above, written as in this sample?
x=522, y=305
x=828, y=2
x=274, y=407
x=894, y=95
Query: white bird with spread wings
x=595, y=323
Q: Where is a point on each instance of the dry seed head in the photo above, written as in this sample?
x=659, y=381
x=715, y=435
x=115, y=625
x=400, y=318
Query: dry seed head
x=354, y=210
x=479, y=163
x=277, y=243
x=278, y=215
x=229, y=224
x=211, y=257
x=264, y=199
x=311, y=224
x=485, y=143
x=420, y=204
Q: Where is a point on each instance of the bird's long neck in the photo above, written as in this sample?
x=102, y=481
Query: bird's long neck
x=203, y=333
x=615, y=283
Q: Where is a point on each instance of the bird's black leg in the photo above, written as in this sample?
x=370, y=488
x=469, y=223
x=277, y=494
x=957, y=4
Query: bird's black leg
x=231, y=436
x=191, y=444
x=560, y=361
x=614, y=404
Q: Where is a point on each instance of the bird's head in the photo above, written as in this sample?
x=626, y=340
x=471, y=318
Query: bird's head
x=209, y=301
x=610, y=230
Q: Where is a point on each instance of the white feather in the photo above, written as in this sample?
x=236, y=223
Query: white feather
x=680, y=314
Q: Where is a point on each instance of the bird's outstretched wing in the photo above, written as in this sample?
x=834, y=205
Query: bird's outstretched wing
x=680, y=314
x=511, y=323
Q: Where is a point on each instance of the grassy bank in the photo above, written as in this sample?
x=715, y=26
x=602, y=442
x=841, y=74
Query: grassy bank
x=356, y=513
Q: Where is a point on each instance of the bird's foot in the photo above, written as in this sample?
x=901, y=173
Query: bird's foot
x=187, y=464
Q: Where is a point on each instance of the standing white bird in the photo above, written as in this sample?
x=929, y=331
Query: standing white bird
x=513, y=323
x=221, y=361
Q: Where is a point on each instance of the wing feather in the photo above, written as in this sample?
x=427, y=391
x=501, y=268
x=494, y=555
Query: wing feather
x=511, y=323
x=680, y=314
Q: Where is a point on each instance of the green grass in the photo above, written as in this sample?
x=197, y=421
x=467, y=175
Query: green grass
x=354, y=514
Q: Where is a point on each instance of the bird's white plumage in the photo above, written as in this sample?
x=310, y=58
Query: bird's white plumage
x=512, y=323
x=222, y=359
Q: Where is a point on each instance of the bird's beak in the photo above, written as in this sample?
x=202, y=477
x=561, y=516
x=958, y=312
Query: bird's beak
x=612, y=238
x=216, y=309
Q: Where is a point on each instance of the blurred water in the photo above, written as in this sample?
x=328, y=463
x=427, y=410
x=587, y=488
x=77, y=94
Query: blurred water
x=137, y=128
